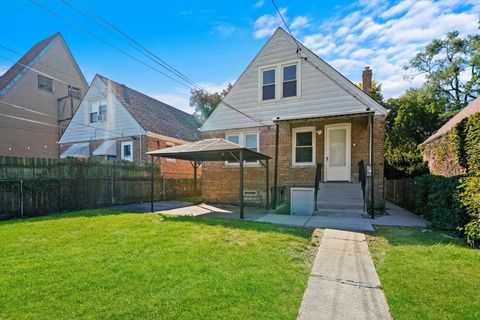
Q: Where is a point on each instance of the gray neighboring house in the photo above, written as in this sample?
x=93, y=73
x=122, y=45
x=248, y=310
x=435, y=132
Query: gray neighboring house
x=48, y=81
x=114, y=121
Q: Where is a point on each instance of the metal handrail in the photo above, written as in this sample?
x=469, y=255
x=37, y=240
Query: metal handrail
x=362, y=177
x=318, y=179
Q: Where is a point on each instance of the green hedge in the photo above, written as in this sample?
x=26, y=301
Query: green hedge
x=469, y=197
x=436, y=199
x=450, y=203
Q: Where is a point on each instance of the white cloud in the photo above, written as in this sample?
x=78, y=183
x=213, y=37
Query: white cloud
x=267, y=24
x=178, y=101
x=299, y=23
x=259, y=4
x=215, y=87
x=385, y=36
x=224, y=29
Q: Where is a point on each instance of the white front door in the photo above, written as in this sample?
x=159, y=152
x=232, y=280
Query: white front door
x=337, y=152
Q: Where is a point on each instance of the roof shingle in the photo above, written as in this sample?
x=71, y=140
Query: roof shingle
x=153, y=115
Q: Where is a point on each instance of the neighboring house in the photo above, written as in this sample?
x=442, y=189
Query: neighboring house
x=38, y=96
x=441, y=160
x=116, y=122
x=316, y=108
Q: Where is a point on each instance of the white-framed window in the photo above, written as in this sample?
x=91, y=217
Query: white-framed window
x=98, y=111
x=303, y=146
x=127, y=150
x=45, y=83
x=250, y=140
x=279, y=81
x=289, y=83
x=268, y=84
x=170, y=144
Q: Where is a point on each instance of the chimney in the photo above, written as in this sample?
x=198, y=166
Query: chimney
x=367, y=80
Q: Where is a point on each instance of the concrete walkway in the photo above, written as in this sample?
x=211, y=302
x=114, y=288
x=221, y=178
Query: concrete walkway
x=343, y=283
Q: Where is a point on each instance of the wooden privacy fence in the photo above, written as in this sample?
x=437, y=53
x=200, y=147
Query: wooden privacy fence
x=401, y=192
x=32, y=187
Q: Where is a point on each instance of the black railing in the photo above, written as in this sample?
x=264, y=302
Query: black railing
x=318, y=179
x=362, y=177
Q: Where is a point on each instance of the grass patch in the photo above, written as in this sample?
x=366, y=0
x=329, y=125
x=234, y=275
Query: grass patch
x=104, y=264
x=426, y=275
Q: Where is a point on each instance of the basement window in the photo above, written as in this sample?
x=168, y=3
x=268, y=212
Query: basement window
x=45, y=83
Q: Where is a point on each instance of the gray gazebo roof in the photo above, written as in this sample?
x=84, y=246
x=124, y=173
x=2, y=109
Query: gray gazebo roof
x=209, y=150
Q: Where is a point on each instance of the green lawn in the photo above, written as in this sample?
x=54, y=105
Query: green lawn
x=105, y=265
x=426, y=275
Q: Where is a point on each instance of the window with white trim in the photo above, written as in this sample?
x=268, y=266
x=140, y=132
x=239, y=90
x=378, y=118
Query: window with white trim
x=268, y=84
x=98, y=111
x=303, y=145
x=250, y=140
x=289, y=81
x=127, y=150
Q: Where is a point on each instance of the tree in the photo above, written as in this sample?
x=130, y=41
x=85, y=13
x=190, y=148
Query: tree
x=413, y=118
x=377, y=94
x=451, y=67
x=205, y=103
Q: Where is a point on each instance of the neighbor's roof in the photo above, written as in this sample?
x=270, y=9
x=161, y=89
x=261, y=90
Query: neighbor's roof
x=209, y=150
x=25, y=60
x=153, y=115
x=471, y=108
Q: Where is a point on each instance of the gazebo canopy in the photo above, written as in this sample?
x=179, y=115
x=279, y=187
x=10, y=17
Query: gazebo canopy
x=212, y=150
x=209, y=150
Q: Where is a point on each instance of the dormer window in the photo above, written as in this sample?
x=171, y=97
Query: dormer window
x=290, y=81
x=268, y=84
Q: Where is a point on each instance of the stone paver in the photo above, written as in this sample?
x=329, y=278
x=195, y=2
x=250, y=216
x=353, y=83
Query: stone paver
x=343, y=283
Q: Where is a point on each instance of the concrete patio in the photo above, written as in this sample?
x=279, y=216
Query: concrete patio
x=340, y=219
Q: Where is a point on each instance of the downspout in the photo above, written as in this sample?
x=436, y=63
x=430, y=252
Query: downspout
x=371, y=162
x=275, y=169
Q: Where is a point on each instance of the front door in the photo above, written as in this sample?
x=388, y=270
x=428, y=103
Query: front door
x=337, y=152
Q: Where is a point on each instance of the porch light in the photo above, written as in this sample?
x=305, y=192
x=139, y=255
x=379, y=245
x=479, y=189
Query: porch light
x=319, y=132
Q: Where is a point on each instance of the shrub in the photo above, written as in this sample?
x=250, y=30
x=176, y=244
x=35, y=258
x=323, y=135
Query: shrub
x=470, y=199
x=437, y=200
x=472, y=143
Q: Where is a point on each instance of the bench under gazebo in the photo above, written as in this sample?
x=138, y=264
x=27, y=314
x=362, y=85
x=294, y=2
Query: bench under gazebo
x=212, y=150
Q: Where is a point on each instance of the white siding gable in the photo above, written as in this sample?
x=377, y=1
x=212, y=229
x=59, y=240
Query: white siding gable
x=119, y=123
x=322, y=90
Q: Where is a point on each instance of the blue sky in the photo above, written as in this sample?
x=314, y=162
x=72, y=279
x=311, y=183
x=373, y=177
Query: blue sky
x=213, y=41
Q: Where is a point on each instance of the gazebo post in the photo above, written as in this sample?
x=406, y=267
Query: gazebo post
x=194, y=182
x=241, y=184
x=267, y=184
x=151, y=183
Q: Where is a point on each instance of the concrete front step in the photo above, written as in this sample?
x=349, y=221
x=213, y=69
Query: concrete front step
x=340, y=206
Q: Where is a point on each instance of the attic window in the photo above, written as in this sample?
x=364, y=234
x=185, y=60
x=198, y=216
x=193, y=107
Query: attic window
x=290, y=81
x=98, y=111
x=268, y=84
x=45, y=83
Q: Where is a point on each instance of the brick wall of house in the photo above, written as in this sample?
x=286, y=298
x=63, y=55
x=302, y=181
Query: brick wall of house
x=221, y=181
x=172, y=169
